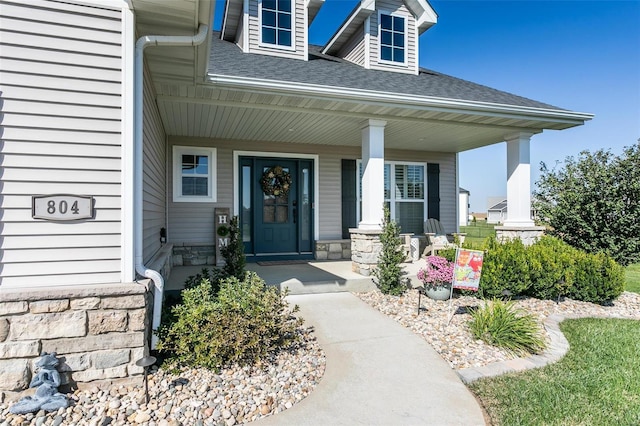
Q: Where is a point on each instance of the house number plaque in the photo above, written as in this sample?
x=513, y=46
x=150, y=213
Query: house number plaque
x=62, y=207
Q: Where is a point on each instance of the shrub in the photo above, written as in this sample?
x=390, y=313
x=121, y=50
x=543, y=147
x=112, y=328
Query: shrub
x=233, y=253
x=388, y=271
x=551, y=268
x=501, y=324
x=593, y=202
x=246, y=322
x=598, y=278
x=504, y=267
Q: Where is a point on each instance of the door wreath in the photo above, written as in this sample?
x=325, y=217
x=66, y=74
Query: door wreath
x=275, y=181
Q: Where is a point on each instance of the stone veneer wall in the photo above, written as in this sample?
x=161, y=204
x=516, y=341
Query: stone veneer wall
x=98, y=331
x=193, y=255
x=333, y=250
x=528, y=235
x=365, y=250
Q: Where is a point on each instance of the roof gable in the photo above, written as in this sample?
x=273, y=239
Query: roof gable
x=422, y=11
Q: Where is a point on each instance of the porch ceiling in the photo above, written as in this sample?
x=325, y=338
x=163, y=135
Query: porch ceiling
x=222, y=112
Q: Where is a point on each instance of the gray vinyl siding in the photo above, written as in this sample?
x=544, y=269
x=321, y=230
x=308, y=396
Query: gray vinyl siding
x=154, y=175
x=354, y=49
x=390, y=6
x=300, y=33
x=61, y=87
x=192, y=223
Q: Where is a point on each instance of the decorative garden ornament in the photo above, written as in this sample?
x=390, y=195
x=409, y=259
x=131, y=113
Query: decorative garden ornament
x=47, y=380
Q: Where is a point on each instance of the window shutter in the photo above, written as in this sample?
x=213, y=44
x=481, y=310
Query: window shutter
x=433, y=191
x=349, y=200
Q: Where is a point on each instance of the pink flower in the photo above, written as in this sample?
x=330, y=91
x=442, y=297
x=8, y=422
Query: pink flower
x=437, y=272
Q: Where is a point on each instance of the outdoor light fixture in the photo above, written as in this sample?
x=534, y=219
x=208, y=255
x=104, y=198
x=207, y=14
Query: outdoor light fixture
x=163, y=235
x=145, y=363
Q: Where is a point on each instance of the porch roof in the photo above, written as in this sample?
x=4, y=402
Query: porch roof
x=325, y=100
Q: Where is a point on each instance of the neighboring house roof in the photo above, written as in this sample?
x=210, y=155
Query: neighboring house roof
x=461, y=190
x=501, y=206
x=227, y=59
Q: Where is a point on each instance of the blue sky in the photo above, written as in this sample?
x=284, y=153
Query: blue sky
x=578, y=55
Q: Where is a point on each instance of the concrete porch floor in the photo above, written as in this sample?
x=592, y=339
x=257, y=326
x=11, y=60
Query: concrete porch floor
x=302, y=278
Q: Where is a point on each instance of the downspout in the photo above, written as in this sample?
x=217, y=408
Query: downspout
x=141, y=269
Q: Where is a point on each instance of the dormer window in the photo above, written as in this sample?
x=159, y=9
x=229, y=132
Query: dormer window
x=392, y=38
x=277, y=22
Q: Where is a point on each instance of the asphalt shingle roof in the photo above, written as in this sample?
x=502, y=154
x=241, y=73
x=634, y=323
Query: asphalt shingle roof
x=227, y=59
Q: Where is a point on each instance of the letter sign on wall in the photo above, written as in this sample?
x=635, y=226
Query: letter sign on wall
x=222, y=231
x=62, y=207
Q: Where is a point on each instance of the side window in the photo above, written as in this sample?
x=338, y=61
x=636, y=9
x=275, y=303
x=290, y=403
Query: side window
x=276, y=22
x=392, y=38
x=194, y=174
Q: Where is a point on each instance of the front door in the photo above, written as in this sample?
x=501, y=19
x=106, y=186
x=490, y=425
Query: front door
x=276, y=218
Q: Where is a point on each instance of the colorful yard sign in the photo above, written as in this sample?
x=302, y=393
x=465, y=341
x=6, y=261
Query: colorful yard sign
x=467, y=269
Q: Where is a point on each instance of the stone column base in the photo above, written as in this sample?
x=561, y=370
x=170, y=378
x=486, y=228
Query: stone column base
x=365, y=250
x=528, y=234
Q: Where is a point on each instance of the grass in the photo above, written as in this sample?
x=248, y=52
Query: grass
x=633, y=278
x=478, y=231
x=596, y=383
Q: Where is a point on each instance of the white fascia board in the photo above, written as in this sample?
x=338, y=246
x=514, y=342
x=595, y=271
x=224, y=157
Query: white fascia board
x=233, y=9
x=426, y=17
x=401, y=99
x=313, y=7
x=362, y=12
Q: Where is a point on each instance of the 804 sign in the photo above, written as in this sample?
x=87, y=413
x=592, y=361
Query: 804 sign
x=62, y=207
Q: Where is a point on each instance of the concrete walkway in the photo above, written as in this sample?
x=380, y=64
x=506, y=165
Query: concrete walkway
x=377, y=372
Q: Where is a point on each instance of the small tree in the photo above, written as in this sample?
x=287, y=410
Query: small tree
x=593, y=203
x=233, y=253
x=388, y=271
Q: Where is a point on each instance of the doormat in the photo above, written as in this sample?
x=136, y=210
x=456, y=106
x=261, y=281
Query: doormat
x=282, y=262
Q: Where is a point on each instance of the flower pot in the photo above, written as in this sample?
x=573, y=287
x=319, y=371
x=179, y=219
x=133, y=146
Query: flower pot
x=439, y=292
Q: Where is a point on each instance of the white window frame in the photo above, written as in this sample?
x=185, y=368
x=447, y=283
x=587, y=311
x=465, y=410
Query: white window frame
x=392, y=200
x=178, y=152
x=293, y=29
x=406, y=38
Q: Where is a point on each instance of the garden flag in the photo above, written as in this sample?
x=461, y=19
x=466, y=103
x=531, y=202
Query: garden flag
x=467, y=269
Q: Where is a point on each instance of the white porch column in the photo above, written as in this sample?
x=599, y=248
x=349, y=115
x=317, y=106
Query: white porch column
x=373, y=174
x=518, y=181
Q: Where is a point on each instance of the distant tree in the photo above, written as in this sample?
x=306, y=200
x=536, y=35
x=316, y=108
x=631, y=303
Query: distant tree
x=593, y=203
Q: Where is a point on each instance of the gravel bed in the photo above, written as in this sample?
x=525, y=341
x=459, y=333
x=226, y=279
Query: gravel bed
x=197, y=397
x=453, y=340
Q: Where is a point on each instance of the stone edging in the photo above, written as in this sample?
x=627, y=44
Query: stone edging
x=557, y=348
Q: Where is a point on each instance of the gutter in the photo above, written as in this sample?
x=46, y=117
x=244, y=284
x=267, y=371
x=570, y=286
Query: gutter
x=430, y=102
x=138, y=142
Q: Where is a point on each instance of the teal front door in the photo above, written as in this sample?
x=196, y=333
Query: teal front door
x=277, y=214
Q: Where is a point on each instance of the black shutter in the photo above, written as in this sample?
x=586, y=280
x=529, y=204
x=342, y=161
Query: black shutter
x=349, y=200
x=433, y=191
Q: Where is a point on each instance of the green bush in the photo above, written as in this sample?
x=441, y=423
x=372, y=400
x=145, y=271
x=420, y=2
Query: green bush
x=245, y=322
x=501, y=324
x=551, y=268
x=504, y=268
x=388, y=272
x=598, y=278
x=233, y=253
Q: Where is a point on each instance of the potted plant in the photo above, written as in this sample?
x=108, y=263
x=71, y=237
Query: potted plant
x=436, y=277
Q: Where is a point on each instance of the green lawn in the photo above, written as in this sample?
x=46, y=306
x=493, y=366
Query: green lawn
x=633, y=278
x=596, y=383
x=478, y=231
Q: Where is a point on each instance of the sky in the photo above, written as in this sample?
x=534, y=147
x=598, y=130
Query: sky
x=578, y=55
